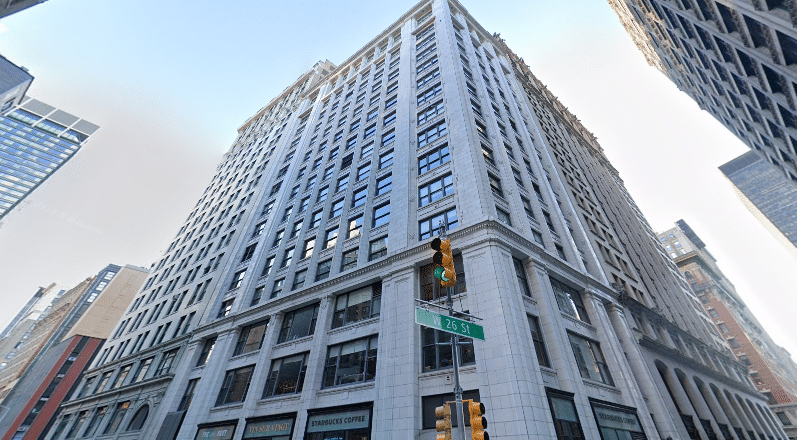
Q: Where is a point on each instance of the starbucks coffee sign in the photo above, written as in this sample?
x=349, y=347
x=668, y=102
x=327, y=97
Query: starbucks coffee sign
x=611, y=418
x=342, y=421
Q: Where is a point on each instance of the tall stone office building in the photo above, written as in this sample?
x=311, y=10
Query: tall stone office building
x=284, y=307
x=738, y=60
x=769, y=365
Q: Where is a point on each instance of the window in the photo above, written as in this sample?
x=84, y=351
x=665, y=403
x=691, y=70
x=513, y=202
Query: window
x=367, y=150
x=383, y=184
x=377, y=248
x=351, y=362
x=569, y=301
x=116, y=418
x=94, y=423
x=331, y=238
x=328, y=173
x=278, y=238
x=225, y=308
x=784, y=419
x=298, y=279
x=297, y=227
x=429, y=403
x=305, y=202
x=337, y=208
x=430, y=93
x=369, y=131
x=518, y=177
x=298, y=323
x=322, y=194
x=349, y=260
x=251, y=338
x=391, y=101
x=120, y=377
x=137, y=422
x=286, y=376
x=346, y=161
x=276, y=289
x=343, y=183
x=432, y=133
x=363, y=172
x=389, y=119
x=590, y=359
x=307, y=249
x=435, y=190
x=359, y=197
x=323, y=270
x=82, y=416
x=267, y=267
x=381, y=215
x=495, y=185
x=355, y=226
x=388, y=137
x=207, y=349
x=287, y=257
x=258, y=229
x=371, y=115
x=503, y=216
x=433, y=159
x=357, y=305
x=142, y=369
x=565, y=417
x=520, y=272
x=235, y=385
x=185, y=401
x=386, y=159
x=426, y=79
x=437, y=355
x=429, y=226
x=539, y=345
x=430, y=112
x=315, y=220
x=488, y=155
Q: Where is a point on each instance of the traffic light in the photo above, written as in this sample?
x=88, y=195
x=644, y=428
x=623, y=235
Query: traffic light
x=443, y=258
x=443, y=424
x=478, y=423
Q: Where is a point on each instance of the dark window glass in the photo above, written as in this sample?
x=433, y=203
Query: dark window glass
x=299, y=323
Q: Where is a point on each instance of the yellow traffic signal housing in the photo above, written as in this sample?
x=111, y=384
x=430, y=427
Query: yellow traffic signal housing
x=478, y=423
x=443, y=424
x=445, y=260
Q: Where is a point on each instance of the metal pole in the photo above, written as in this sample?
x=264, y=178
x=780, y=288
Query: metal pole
x=455, y=355
x=457, y=388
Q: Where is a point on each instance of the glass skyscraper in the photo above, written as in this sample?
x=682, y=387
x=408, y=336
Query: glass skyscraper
x=35, y=140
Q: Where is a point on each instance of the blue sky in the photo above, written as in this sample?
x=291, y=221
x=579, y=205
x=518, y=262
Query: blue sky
x=170, y=82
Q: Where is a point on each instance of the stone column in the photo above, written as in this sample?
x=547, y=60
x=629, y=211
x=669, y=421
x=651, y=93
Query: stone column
x=682, y=399
x=642, y=377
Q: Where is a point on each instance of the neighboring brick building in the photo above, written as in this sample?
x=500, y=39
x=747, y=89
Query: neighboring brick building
x=60, y=347
x=770, y=366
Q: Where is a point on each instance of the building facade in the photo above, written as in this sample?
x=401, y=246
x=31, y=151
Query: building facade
x=8, y=7
x=737, y=60
x=767, y=193
x=18, y=330
x=14, y=83
x=67, y=341
x=770, y=366
x=284, y=307
x=36, y=139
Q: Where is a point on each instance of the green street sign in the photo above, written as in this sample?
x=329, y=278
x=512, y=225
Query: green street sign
x=448, y=324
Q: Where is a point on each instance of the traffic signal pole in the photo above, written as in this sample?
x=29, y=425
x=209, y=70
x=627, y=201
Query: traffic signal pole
x=455, y=350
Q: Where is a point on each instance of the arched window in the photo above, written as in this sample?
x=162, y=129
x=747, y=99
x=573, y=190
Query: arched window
x=138, y=419
x=688, y=275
